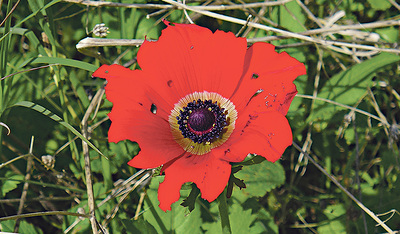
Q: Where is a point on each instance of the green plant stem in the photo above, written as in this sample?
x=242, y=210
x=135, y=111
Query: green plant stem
x=223, y=212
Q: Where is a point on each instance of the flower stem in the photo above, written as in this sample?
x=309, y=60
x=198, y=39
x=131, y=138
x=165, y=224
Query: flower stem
x=223, y=212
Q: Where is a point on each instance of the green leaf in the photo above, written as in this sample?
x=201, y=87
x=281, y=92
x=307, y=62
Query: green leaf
x=83, y=226
x=106, y=172
x=124, y=150
x=62, y=61
x=99, y=190
x=336, y=215
x=54, y=117
x=24, y=227
x=241, y=221
x=30, y=16
x=259, y=179
x=390, y=34
x=389, y=158
x=11, y=183
x=349, y=86
x=265, y=222
x=290, y=16
x=79, y=89
x=343, y=86
x=379, y=4
x=138, y=226
x=178, y=220
x=7, y=226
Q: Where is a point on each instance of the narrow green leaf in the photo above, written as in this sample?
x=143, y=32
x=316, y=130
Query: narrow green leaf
x=30, y=16
x=5, y=45
x=343, y=86
x=106, y=173
x=54, y=117
x=349, y=86
x=62, y=61
x=78, y=88
x=31, y=37
x=35, y=42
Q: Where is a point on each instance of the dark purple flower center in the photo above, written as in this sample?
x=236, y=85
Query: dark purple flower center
x=202, y=121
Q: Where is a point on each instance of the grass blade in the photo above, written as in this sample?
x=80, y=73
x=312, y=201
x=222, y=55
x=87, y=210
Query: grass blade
x=56, y=118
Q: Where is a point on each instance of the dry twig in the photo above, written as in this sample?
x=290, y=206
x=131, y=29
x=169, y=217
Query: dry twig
x=85, y=149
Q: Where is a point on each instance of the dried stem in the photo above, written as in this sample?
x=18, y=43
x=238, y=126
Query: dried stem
x=164, y=6
x=114, y=211
x=96, y=42
x=40, y=198
x=395, y=4
x=339, y=46
x=335, y=28
x=383, y=121
x=89, y=185
x=326, y=43
x=122, y=187
x=85, y=149
x=139, y=207
x=26, y=185
x=13, y=160
x=36, y=214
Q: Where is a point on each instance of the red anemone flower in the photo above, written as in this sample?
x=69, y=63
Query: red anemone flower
x=200, y=101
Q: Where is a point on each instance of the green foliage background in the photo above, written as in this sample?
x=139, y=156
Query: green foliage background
x=345, y=117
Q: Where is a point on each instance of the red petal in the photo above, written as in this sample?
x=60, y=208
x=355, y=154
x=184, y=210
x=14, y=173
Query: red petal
x=132, y=119
x=277, y=96
x=127, y=90
x=152, y=133
x=189, y=58
x=267, y=134
x=208, y=172
x=270, y=71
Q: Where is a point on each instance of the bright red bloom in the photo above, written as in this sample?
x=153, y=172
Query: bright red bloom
x=203, y=85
